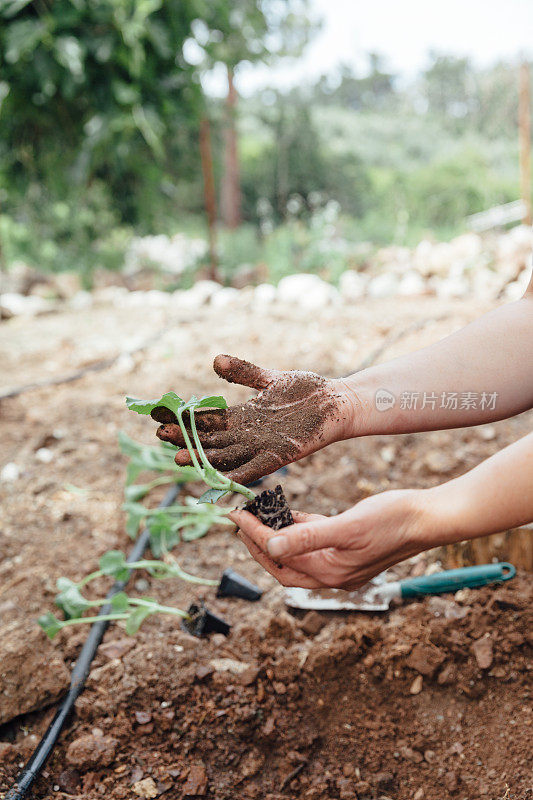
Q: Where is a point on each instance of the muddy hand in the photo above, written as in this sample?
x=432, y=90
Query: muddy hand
x=294, y=414
x=345, y=551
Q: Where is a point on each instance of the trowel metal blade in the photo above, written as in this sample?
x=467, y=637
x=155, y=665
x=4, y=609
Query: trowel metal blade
x=364, y=599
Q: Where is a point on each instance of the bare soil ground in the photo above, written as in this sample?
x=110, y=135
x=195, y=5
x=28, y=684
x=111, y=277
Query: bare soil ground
x=427, y=702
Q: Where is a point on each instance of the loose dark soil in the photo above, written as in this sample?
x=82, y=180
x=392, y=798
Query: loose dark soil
x=271, y=508
x=430, y=701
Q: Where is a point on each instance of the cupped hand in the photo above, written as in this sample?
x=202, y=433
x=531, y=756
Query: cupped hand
x=294, y=414
x=344, y=551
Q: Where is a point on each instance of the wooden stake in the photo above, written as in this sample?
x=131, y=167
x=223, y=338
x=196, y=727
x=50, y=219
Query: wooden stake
x=210, y=201
x=524, y=124
x=231, y=188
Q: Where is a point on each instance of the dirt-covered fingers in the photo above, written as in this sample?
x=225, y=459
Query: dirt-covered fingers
x=206, y=420
x=257, y=467
x=235, y=370
x=225, y=458
x=284, y=575
x=213, y=439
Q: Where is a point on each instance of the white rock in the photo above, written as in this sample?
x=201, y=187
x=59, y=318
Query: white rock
x=9, y=472
x=45, y=455
x=446, y=288
x=170, y=254
x=198, y=295
x=264, y=294
x=226, y=296
x=412, y=283
x=384, y=285
x=306, y=290
x=352, y=285
x=25, y=305
x=81, y=301
x=110, y=294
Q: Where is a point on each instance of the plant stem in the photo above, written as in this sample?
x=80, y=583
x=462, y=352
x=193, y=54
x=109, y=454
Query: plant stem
x=232, y=486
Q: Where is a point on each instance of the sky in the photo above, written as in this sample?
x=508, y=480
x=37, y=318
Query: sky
x=403, y=31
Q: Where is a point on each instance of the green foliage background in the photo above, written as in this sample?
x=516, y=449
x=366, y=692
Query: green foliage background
x=99, y=121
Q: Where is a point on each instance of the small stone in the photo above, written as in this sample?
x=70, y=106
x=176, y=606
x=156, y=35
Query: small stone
x=425, y=658
x=9, y=472
x=438, y=462
x=203, y=671
x=251, y=763
x=429, y=756
x=44, y=455
x=249, y=675
x=90, y=751
x=416, y=686
x=117, y=648
x=145, y=788
x=69, y=781
x=451, y=781
x=482, y=649
x=348, y=770
x=312, y=623
x=143, y=717
x=419, y=794
x=7, y=752
x=447, y=674
x=196, y=783
x=487, y=433
x=411, y=755
x=363, y=789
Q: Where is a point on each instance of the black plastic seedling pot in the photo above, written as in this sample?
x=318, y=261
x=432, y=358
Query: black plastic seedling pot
x=201, y=622
x=234, y=585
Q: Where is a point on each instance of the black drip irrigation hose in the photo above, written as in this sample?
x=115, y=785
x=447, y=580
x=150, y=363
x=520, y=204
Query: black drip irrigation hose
x=42, y=752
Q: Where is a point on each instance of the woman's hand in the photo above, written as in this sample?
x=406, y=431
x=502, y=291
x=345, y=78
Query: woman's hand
x=294, y=414
x=345, y=551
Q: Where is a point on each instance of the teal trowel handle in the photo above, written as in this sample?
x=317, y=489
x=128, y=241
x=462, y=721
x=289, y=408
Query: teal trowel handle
x=452, y=579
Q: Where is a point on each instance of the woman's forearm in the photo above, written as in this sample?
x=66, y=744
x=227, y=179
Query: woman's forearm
x=482, y=373
x=494, y=496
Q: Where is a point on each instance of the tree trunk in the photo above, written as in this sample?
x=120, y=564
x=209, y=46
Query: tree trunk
x=231, y=190
x=209, y=194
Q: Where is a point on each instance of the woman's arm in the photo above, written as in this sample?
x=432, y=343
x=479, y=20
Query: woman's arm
x=349, y=549
x=482, y=373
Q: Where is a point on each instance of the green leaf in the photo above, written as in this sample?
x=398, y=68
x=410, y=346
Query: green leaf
x=70, y=600
x=114, y=563
x=212, y=495
x=136, y=514
x=136, y=618
x=137, y=491
x=50, y=624
x=216, y=401
x=163, y=537
x=169, y=400
x=120, y=603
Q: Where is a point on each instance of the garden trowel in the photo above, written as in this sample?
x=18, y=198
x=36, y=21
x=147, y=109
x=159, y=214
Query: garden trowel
x=378, y=593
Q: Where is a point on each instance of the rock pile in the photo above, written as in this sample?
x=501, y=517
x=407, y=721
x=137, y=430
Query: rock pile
x=496, y=266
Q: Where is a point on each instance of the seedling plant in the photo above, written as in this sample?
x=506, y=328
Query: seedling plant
x=167, y=526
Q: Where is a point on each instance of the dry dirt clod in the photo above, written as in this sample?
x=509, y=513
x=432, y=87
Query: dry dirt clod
x=312, y=623
x=25, y=685
x=451, y=781
x=69, y=781
x=196, y=783
x=90, y=751
x=425, y=658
